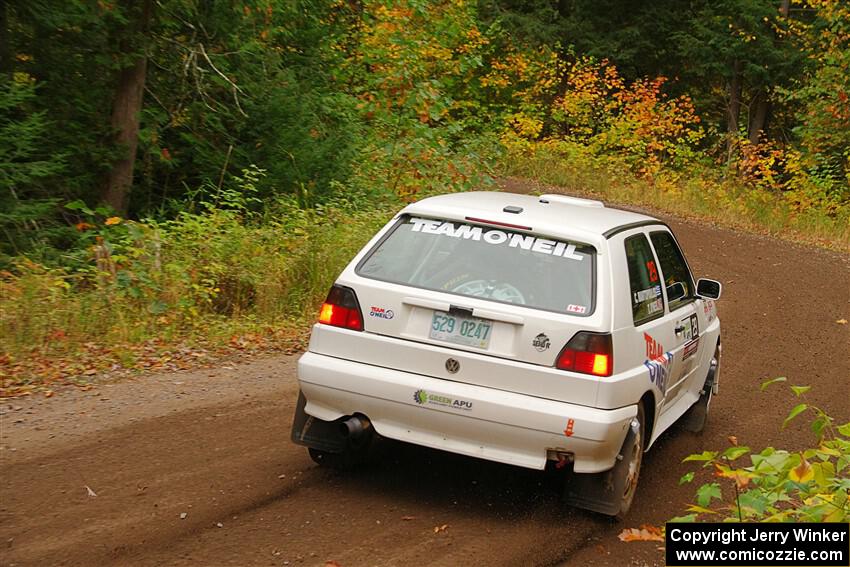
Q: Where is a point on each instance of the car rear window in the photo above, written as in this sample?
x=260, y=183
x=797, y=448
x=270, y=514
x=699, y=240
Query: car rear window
x=491, y=263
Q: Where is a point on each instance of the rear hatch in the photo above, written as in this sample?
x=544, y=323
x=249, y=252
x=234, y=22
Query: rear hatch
x=500, y=300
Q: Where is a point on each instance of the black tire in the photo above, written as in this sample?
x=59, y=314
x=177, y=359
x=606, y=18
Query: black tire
x=634, y=456
x=612, y=492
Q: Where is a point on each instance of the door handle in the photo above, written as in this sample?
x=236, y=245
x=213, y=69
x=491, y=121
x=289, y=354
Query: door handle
x=679, y=329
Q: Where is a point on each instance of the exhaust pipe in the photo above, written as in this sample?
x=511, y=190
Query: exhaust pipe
x=354, y=426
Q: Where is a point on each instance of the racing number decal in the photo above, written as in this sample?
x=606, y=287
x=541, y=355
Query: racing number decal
x=653, y=271
x=691, y=325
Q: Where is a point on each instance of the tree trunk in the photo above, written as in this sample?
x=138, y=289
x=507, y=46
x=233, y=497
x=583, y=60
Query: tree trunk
x=758, y=121
x=733, y=107
x=6, y=65
x=126, y=106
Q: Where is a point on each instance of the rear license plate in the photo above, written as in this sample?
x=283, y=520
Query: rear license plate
x=460, y=330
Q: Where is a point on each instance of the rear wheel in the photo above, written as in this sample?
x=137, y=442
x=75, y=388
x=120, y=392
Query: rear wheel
x=613, y=491
x=633, y=456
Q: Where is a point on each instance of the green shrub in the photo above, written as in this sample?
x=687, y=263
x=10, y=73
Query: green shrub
x=812, y=485
x=207, y=275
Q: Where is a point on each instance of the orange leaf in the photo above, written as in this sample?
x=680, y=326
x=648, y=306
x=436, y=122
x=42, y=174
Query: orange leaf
x=634, y=534
x=112, y=220
x=802, y=472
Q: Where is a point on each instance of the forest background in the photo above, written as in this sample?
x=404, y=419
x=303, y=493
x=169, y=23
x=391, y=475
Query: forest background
x=184, y=178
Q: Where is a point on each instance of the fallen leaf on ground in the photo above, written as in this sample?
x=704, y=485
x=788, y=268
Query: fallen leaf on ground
x=643, y=534
x=733, y=440
x=841, y=321
x=183, y=515
x=48, y=393
x=90, y=492
x=442, y=528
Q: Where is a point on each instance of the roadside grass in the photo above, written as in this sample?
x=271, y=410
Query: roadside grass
x=702, y=195
x=176, y=294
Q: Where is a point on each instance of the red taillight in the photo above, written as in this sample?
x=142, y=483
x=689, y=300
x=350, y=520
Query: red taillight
x=341, y=309
x=588, y=353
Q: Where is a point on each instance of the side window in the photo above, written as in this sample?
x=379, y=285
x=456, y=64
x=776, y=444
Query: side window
x=644, y=281
x=677, y=276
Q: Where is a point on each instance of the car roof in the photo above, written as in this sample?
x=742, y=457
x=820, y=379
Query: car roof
x=553, y=215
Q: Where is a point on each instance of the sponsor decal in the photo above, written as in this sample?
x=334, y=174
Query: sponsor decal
x=381, y=313
x=690, y=349
x=497, y=237
x=647, y=294
x=568, y=431
x=422, y=398
x=658, y=363
x=709, y=309
x=655, y=306
x=572, y=308
x=653, y=347
x=659, y=370
x=541, y=342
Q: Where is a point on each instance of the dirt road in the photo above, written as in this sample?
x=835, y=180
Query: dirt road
x=196, y=468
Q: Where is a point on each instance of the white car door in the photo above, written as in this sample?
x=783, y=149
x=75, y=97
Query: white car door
x=682, y=330
x=653, y=325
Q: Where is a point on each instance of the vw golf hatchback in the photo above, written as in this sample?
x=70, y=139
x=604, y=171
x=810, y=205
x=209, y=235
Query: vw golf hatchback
x=524, y=330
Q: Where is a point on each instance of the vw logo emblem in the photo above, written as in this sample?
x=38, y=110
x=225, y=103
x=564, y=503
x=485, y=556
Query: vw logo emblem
x=452, y=365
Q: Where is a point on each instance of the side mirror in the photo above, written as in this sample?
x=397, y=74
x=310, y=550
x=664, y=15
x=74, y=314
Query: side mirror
x=675, y=291
x=709, y=289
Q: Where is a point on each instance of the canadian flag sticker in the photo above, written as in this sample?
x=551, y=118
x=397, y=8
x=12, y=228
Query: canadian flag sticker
x=572, y=308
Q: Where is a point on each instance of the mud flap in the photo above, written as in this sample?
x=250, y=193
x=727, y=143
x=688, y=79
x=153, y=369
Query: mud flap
x=697, y=415
x=602, y=492
x=315, y=433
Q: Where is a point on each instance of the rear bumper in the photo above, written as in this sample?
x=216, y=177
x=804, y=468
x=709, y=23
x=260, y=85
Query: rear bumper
x=462, y=418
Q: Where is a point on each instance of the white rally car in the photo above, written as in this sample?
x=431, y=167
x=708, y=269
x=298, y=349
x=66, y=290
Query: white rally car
x=518, y=329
